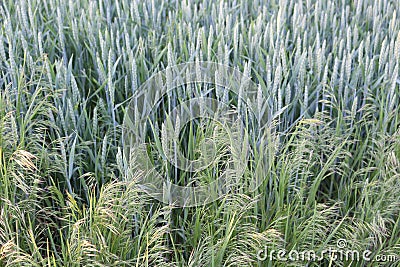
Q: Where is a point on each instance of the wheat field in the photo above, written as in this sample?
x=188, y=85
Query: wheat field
x=328, y=71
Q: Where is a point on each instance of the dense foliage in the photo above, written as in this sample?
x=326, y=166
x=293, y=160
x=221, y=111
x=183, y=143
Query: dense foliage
x=329, y=72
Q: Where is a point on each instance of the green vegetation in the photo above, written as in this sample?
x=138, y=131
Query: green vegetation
x=328, y=70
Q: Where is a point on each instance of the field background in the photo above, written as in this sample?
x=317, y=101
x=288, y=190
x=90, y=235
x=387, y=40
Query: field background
x=329, y=70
